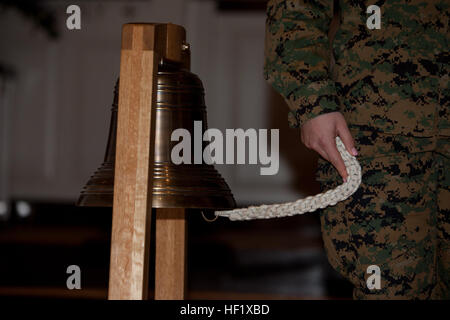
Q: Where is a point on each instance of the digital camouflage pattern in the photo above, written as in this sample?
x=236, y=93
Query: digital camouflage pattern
x=392, y=87
x=393, y=80
x=398, y=219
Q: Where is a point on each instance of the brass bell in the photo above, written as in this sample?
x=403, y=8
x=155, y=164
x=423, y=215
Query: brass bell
x=180, y=102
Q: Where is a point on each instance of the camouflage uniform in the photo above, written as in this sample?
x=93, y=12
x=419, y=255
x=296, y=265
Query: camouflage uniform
x=391, y=85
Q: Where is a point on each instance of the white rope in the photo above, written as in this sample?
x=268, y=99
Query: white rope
x=309, y=204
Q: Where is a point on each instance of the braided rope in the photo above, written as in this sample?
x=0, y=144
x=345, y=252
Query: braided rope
x=309, y=204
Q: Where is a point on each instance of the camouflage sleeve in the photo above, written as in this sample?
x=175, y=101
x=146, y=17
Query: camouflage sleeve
x=297, y=57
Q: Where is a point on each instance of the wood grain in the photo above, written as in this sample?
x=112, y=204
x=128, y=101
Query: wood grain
x=128, y=278
x=170, y=268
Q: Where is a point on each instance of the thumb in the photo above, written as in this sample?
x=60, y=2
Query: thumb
x=347, y=139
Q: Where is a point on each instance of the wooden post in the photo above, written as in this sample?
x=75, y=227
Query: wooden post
x=128, y=277
x=143, y=45
x=170, y=268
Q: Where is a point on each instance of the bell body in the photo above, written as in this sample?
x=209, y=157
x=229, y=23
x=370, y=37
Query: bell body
x=180, y=102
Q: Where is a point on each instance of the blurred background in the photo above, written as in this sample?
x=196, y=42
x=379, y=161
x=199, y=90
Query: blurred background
x=56, y=90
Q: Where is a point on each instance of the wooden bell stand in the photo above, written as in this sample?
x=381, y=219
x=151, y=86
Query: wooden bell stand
x=143, y=46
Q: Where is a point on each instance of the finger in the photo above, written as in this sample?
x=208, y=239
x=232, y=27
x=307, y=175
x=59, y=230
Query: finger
x=347, y=139
x=336, y=160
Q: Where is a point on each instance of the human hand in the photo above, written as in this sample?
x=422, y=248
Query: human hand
x=319, y=134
